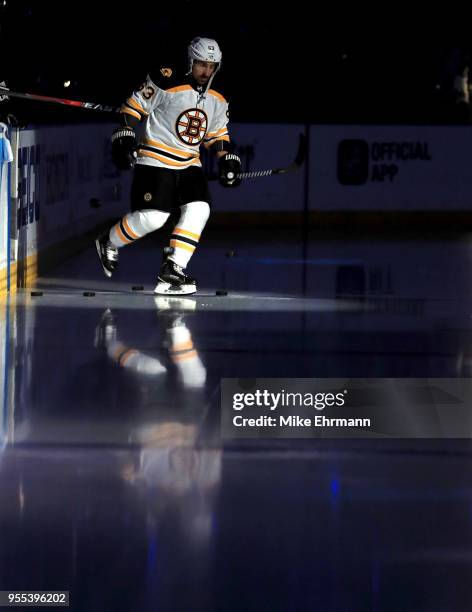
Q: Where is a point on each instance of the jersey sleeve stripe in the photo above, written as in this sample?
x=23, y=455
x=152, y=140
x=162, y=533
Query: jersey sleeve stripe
x=208, y=143
x=136, y=106
x=220, y=137
x=212, y=134
x=128, y=111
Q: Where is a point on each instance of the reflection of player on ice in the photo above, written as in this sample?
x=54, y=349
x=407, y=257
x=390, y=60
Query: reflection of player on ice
x=182, y=354
x=175, y=470
x=165, y=387
x=179, y=115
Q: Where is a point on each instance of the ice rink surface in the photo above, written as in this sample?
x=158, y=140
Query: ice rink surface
x=117, y=486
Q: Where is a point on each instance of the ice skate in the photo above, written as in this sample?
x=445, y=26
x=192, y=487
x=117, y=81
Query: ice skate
x=172, y=280
x=108, y=254
x=105, y=332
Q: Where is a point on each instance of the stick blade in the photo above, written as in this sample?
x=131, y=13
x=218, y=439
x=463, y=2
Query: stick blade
x=299, y=158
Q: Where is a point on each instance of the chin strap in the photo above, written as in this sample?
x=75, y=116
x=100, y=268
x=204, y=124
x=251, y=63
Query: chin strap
x=206, y=87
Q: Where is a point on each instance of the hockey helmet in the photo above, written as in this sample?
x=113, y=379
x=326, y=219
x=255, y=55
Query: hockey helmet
x=204, y=50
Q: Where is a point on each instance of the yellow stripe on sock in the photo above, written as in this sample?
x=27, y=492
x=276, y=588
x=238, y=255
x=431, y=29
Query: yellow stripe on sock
x=121, y=235
x=129, y=230
x=182, y=245
x=183, y=232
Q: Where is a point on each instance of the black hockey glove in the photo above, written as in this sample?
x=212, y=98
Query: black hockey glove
x=229, y=166
x=123, y=148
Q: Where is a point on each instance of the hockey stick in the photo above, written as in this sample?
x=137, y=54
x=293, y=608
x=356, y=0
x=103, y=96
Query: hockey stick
x=7, y=93
x=293, y=167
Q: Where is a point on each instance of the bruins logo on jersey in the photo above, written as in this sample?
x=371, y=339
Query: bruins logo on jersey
x=166, y=72
x=191, y=126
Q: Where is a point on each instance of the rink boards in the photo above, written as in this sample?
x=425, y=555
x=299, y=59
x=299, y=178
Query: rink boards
x=63, y=184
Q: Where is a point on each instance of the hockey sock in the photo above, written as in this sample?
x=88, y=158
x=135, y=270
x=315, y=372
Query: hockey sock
x=134, y=360
x=187, y=232
x=136, y=225
x=185, y=357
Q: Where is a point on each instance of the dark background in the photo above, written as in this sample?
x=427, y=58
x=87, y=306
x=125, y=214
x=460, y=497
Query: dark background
x=291, y=63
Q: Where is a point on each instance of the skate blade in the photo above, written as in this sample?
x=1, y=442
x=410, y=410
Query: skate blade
x=107, y=272
x=168, y=289
x=175, y=303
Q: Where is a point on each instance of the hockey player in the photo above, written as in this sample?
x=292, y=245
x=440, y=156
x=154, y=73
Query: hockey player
x=179, y=115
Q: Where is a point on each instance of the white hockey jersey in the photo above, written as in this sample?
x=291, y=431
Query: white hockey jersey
x=178, y=120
